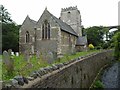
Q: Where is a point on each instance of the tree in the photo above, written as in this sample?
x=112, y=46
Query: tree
x=4, y=15
x=10, y=37
x=10, y=31
x=95, y=35
x=116, y=39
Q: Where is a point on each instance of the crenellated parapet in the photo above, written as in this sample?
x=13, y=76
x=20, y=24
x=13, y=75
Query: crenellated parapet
x=69, y=8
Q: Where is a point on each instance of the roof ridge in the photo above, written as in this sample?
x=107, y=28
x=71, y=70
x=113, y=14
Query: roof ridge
x=64, y=26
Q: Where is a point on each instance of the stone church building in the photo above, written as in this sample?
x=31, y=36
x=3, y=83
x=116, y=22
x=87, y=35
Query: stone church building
x=58, y=36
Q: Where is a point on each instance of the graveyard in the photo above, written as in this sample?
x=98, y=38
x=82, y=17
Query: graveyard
x=17, y=64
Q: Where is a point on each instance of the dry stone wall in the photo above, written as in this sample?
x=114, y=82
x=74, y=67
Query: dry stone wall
x=78, y=73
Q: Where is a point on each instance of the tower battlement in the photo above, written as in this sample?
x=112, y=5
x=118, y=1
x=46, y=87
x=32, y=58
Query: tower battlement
x=69, y=8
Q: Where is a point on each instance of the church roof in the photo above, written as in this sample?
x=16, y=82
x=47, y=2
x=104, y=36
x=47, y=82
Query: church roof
x=65, y=27
x=27, y=19
x=82, y=40
x=33, y=21
x=28, y=23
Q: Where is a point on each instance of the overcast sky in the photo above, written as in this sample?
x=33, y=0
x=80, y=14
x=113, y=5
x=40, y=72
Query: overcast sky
x=93, y=12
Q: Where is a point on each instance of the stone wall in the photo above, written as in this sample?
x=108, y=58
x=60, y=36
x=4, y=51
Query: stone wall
x=80, y=73
x=68, y=43
x=27, y=26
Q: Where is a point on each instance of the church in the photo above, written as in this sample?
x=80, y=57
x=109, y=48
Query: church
x=50, y=34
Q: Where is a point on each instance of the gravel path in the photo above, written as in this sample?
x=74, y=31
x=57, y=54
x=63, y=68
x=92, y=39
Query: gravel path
x=110, y=76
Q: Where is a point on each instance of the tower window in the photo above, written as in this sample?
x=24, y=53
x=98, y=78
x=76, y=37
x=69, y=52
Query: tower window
x=46, y=30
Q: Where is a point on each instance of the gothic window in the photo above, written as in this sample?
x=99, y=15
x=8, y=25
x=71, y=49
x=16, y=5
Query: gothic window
x=46, y=30
x=27, y=37
x=43, y=29
x=35, y=34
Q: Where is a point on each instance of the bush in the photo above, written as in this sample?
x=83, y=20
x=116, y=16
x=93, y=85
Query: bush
x=98, y=47
x=91, y=47
x=106, y=45
x=117, y=46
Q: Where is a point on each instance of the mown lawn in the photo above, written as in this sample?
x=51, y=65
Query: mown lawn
x=22, y=67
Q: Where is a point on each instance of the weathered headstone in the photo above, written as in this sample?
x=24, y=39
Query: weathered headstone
x=9, y=51
x=26, y=56
x=50, y=57
x=8, y=61
x=17, y=54
x=6, y=58
x=12, y=53
x=38, y=54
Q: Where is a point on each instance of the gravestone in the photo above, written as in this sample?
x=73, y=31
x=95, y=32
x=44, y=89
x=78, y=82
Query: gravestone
x=9, y=51
x=8, y=61
x=50, y=57
x=17, y=54
x=6, y=58
x=38, y=55
x=26, y=56
x=12, y=53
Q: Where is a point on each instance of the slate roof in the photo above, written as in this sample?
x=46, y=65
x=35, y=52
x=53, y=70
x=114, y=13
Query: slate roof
x=81, y=40
x=33, y=21
x=65, y=27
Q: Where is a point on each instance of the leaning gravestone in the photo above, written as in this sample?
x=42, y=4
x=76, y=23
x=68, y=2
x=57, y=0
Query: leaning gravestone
x=8, y=61
x=50, y=57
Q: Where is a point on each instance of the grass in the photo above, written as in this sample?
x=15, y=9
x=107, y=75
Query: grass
x=78, y=54
x=98, y=84
x=22, y=67
x=0, y=67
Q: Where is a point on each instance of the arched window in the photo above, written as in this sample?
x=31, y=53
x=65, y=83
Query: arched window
x=45, y=30
x=48, y=31
x=27, y=37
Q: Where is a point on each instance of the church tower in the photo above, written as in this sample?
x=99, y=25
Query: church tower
x=72, y=17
